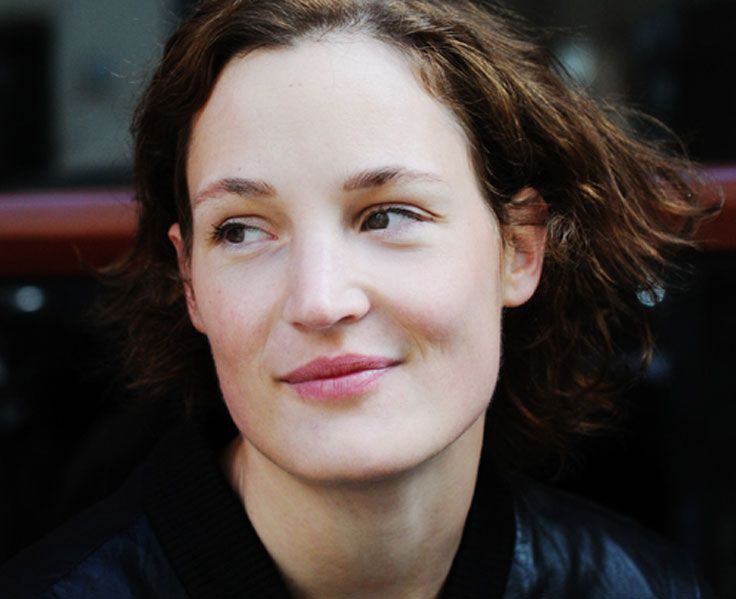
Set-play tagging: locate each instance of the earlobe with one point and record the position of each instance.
(524, 240)
(183, 261)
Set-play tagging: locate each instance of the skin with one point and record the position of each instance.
(363, 495)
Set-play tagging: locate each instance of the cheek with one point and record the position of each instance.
(451, 310)
(236, 325)
(462, 332)
(451, 300)
(235, 316)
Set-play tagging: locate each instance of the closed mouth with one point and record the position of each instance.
(349, 375)
(340, 366)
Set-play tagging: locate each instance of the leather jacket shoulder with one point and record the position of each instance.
(568, 547)
(109, 550)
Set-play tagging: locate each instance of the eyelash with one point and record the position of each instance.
(219, 232)
(392, 209)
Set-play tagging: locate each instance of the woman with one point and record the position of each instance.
(351, 213)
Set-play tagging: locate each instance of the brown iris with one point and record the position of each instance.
(377, 220)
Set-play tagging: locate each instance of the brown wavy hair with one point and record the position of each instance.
(618, 208)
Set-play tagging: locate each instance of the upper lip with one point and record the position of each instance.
(326, 368)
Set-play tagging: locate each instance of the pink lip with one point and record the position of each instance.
(342, 376)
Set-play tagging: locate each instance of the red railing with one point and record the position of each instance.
(719, 234)
(64, 233)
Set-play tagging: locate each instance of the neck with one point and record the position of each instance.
(394, 537)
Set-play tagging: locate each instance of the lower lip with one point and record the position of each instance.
(350, 385)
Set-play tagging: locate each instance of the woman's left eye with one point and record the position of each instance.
(388, 216)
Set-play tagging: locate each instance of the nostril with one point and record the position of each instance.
(318, 313)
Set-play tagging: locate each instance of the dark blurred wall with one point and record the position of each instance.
(26, 140)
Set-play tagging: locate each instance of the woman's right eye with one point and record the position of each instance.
(237, 233)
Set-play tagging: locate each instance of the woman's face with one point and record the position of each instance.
(344, 265)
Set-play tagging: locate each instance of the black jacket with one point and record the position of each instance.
(176, 529)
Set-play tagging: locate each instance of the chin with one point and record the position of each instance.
(373, 460)
(358, 473)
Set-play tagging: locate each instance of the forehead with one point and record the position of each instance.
(347, 97)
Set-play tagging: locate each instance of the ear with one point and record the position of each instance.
(183, 261)
(524, 243)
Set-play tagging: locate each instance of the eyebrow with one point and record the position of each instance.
(237, 186)
(387, 175)
(366, 179)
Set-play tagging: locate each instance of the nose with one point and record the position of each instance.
(323, 288)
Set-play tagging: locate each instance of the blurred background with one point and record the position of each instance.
(69, 76)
